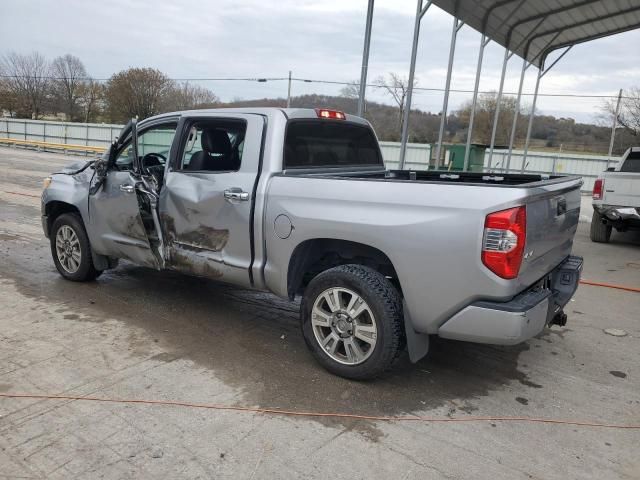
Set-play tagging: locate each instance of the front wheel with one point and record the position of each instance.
(352, 321)
(71, 250)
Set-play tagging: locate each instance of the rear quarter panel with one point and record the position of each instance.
(431, 232)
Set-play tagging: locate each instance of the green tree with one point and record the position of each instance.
(141, 92)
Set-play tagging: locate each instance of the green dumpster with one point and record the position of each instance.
(454, 157)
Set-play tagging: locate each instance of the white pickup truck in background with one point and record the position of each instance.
(616, 198)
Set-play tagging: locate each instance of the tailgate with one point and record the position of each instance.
(622, 189)
(553, 213)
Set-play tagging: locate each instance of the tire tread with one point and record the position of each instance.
(599, 232)
(86, 272)
(377, 286)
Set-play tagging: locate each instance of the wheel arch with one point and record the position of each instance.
(313, 256)
(54, 208)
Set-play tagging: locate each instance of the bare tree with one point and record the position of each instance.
(397, 87)
(351, 90)
(484, 117)
(90, 99)
(27, 78)
(69, 76)
(8, 99)
(629, 117)
(187, 96)
(141, 92)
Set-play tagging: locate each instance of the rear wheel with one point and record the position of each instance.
(71, 250)
(600, 232)
(352, 321)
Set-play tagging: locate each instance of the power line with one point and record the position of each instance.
(323, 82)
(212, 79)
(434, 89)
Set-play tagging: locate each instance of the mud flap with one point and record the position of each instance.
(417, 343)
(102, 262)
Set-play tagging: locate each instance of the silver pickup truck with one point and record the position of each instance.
(616, 198)
(298, 202)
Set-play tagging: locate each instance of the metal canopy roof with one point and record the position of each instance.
(534, 28)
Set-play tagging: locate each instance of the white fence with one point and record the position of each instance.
(418, 155)
(587, 166)
(88, 134)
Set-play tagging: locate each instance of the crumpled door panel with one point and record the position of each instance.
(115, 223)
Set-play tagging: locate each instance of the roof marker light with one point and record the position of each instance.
(331, 114)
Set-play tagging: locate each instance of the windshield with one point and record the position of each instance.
(323, 143)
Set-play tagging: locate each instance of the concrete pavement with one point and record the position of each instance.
(138, 333)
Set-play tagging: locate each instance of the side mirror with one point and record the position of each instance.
(611, 169)
(101, 167)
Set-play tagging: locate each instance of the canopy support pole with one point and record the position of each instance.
(533, 112)
(541, 73)
(365, 59)
(484, 40)
(420, 11)
(516, 111)
(507, 56)
(613, 128)
(457, 25)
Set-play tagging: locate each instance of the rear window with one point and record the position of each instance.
(632, 163)
(323, 143)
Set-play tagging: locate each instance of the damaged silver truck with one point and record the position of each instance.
(298, 202)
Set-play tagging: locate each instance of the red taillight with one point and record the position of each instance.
(598, 186)
(505, 233)
(334, 114)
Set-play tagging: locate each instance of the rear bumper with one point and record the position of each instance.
(618, 214)
(525, 316)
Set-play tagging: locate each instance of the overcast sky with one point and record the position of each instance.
(315, 39)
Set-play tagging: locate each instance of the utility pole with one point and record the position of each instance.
(613, 128)
(289, 91)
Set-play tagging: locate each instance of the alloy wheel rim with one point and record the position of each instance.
(344, 326)
(68, 249)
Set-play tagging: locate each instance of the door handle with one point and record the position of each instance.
(236, 195)
(127, 188)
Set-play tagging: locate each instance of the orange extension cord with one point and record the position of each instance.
(23, 194)
(610, 285)
(274, 411)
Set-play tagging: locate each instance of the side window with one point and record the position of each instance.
(124, 160)
(156, 141)
(154, 145)
(214, 146)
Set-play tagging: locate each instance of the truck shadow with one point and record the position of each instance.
(630, 237)
(251, 341)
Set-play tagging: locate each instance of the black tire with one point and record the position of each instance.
(600, 232)
(86, 271)
(384, 302)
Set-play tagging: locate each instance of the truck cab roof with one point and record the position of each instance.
(288, 113)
